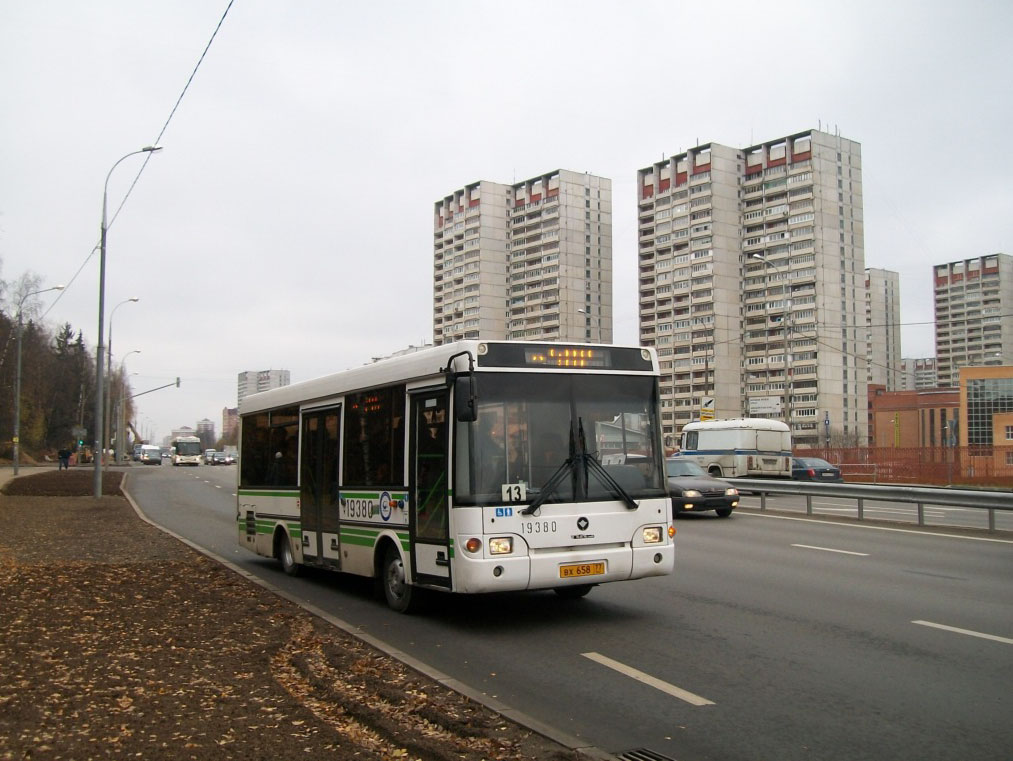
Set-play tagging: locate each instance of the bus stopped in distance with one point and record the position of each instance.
(473, 467)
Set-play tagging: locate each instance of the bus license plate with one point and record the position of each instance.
(577, 570)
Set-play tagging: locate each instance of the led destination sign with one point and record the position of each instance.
(565, 356)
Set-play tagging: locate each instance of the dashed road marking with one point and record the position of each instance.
(968, 632)
(647, 679)
(830, 549)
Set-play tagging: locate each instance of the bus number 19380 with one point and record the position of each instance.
(538, 527)
(358, 508)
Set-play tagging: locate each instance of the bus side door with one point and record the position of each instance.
(428, 498)
(318, 487)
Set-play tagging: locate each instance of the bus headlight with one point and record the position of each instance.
(501, 545)
(652, 534)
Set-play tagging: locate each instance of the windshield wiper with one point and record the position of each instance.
(591, 464)
(554, 480)
(550, 486)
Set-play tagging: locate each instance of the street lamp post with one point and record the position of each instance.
(99, 364)
(17, 377)
(121, 441)
(109, 372)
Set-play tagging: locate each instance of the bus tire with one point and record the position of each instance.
(400, 595)
(573, 593)
(284, 555)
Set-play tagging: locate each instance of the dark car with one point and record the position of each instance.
(693, 490)
(219, 458)
(814, 469)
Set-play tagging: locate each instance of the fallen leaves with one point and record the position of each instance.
(141, 648)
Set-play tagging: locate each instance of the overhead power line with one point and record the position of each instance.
(147, 158)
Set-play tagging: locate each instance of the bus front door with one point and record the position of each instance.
(318, 487)
(429, 519)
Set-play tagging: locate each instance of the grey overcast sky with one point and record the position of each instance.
(288, 221)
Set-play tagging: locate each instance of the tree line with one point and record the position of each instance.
(57, 379)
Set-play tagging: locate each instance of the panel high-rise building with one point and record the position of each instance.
(974, 316)
(255, 381)
(527, 261)
(752, 283)
(918, 373)
(882, 320)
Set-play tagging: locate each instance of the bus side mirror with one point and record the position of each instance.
(466, 398)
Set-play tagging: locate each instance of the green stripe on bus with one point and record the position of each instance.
(257, 493)
(366, 537)
(268, 526)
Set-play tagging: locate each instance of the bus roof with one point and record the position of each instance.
(754, 423)
(428, 362)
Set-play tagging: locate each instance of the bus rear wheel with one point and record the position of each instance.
(400, 595)
(283, 552)
(573, 593)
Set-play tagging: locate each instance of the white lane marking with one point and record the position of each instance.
(968, 632)
(828, 549)
(647, 679)
(747, 513)
(217, 486)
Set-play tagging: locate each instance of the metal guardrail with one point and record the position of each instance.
(917, 495)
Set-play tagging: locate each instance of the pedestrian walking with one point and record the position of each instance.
(64, 457)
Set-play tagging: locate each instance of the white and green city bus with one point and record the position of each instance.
(479, 466)
(186, 450)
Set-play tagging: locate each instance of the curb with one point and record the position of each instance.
(526, 721)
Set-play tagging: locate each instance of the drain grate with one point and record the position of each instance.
(643, 754)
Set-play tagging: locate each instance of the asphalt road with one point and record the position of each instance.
(776, 638)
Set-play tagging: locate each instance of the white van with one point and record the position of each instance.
(739, 448)
(151, 454)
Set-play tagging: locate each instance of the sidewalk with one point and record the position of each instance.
(118, 641)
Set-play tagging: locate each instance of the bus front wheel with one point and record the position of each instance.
(401, 596)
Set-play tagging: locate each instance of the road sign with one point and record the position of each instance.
(707, 409)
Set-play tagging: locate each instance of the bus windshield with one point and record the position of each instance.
(188, 447)
(544, 429)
